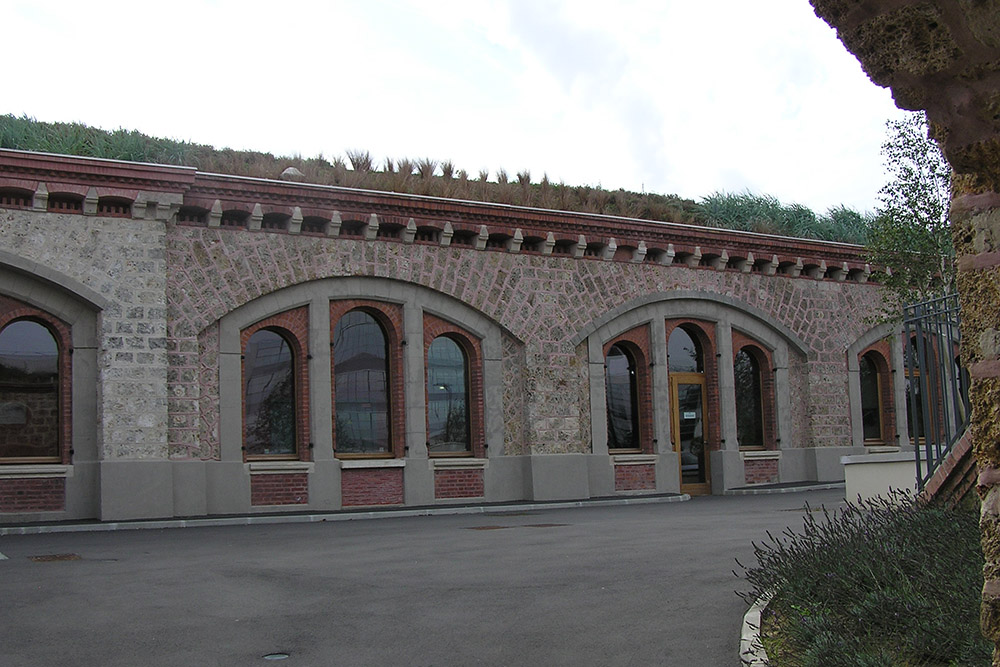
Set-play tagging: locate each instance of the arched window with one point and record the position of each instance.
(684, 352)
(447, 397)
(622, 399)
(269, 396)
(871, 398)
(749, 401)
(361, 385)
(30, 410)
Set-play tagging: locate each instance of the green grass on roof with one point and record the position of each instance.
(357, 169)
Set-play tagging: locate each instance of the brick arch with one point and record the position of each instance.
(765, 367)
(704, 333)
(471, 346)
(886, 341)
(293, 326)
(13, 310)
(389, 317)
(636, 342)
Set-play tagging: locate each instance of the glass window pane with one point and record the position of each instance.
(269, 395)
(361, 385)
(29, 391)
(749, 411)
(691, 433)
(447, 397)
(871, 408)
(684, 353)
(623, 416)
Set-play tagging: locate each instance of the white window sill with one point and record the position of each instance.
(458, 463)
(633, 459)
(762, 454)
(278, 467)
(29, 471)
(346, 464)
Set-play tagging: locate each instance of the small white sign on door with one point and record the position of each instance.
(690, 415)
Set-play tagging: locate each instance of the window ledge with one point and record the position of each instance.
(633, 459)
(761, 454)
(371, 463)
(38, 470)
(881, 449)
(278, 467)
(459, 463)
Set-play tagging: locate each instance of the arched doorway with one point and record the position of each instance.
(688, 427)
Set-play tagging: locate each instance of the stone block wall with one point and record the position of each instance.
(173, 279)
(123, 260)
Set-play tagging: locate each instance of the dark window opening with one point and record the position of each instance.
(269, 396)
(622, 399)
(361, 385)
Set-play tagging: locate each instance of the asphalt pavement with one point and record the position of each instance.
(622, 585)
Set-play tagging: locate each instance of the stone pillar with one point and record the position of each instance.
(943, 57)
(976, 227)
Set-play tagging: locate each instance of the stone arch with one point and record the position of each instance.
(412, 302)
(892, 333)
(728, 316)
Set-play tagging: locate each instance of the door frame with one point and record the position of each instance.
(696, 488)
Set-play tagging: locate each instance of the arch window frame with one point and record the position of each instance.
(389, 318)
(635, 342)
(471, 347)
(764, 356)
(635, 446)
(12, 311)
(293, 327)
(755, 391)
(699, 332)
(880, 366)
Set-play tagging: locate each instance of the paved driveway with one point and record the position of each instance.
(624, 585)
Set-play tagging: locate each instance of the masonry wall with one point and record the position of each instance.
(541, 301)
(166, 286)
(123, 260)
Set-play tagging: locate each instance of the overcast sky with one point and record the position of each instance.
(668, 96)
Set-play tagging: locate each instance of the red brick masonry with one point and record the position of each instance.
(40, 494)
(760, 471)
(459, 484)
(635, 477)
(279, 489)
(372, 486)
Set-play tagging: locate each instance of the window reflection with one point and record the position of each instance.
(749, 409)
(623, 417)
(29, 391)
(871, 404)
(269, 395)
(447, 397)
(684, 353)
(361, 375)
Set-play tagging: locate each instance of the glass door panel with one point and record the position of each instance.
(688, 430)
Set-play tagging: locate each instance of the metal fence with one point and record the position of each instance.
(937, 386)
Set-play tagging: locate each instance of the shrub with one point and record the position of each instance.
(886, 581)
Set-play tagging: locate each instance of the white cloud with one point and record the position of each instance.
(676, 97)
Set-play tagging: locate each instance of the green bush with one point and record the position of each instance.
(881, 582)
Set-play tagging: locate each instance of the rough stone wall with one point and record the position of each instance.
(542, 301)
(944, 57)
(513, 397)
(123, 260)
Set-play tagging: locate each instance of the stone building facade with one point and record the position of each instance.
(234, 345)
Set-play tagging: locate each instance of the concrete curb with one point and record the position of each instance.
(752, 652)
(784, 489)
(249, 520)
